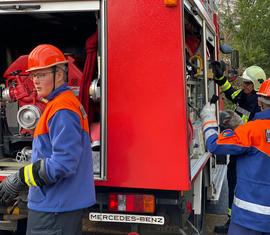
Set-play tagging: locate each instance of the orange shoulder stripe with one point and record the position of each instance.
(66, 100)
(252, 134)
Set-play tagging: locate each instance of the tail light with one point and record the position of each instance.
(142, 203)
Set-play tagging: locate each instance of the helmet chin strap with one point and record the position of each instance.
(54, 77)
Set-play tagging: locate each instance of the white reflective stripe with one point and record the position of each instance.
(242, 111)
(249, 206)
(209, 132)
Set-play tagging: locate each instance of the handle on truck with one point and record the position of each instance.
(19, 7)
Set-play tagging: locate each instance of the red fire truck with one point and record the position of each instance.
(142, 70)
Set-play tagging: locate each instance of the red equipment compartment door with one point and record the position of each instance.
(147, 126)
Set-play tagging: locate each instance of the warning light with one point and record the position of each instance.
(143, 203)
(171, 3)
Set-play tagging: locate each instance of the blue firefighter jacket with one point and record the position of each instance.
(250, 144)
(61, 138)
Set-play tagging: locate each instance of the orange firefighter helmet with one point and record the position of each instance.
(45, 56)
(264, 89)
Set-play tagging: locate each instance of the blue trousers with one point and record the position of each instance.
(236, 229)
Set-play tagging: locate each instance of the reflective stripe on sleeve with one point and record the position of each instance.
(236, 93)
(221, 78)
(256, 208)
(245, 118)
(226, 86)
(28, 175)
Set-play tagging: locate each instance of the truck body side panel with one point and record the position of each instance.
(147, 134)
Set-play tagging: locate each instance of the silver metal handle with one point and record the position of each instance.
(19, 7)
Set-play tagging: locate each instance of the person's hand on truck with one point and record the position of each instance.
(218, 69)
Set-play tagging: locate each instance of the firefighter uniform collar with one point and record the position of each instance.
(57, 91)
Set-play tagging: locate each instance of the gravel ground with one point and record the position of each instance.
(211, 220)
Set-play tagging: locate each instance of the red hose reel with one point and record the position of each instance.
(19, 87)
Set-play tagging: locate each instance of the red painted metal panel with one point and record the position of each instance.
(147, 134)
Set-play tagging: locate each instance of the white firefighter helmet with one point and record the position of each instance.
(256, 75)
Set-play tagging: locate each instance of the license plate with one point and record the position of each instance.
(126, 218)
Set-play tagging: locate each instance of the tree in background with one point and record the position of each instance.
(245, 25)
(227, 19)
(253, 33)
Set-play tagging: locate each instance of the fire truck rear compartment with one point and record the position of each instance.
(22, 32)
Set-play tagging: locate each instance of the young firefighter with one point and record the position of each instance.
(246, 107)
(60, 177)
(250, 145)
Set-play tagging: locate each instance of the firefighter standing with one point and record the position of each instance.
(246, 107)
(250, 145)
(60, 177)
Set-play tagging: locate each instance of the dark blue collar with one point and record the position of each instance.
(58, 91)
(262, 115)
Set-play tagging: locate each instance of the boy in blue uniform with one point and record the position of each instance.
(250, 144)
(60, 177)
(246, 107)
